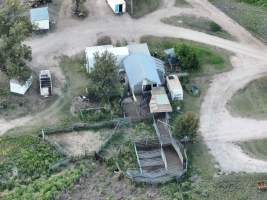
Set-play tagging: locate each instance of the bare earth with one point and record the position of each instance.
(220, 130)
(79, 143)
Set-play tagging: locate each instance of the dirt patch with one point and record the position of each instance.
(80, 143)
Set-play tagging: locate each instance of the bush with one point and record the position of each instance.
(186, 125)
(104, 40)
(187, 57)
(215, 27)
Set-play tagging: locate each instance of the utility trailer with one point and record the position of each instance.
(117, 6)
(45, 83)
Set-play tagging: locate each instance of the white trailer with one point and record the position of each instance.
(118, 6)
(20, 88)
(174, 87)
(45, 83)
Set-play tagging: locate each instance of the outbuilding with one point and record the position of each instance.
(118, 6)
(174, 87)
(119, 52)
(20, 88)
(142, 73)
(40, 18)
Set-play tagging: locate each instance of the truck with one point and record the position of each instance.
(45, 80)
(117, 6)
(174, 86)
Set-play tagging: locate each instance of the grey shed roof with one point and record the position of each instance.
(139, 49)
(141, 67)
(39, 14)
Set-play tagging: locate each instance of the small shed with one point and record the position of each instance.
(45, 80)
(40, 18)
(118, 6)
(20, 88)
(142, 73)
(159, 102)
(119, 52)
(174, 87)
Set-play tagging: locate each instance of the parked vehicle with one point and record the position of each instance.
(174, 87)
(45, 83)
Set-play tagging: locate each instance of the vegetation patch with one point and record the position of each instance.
(198, 23)
(24, 159)
(251, 16)
(142, 7)
(250, 101)
(255, 148)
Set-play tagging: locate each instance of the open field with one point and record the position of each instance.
(182, 3)
(253, 18)
(197, 23)
(251, 101)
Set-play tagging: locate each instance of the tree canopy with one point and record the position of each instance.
(104, 78)
(15, 27)
(187, 57)
(186, 125)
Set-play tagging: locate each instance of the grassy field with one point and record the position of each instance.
(250, 101)
(197, 23)
(252, 17)
(142, 7)
(256, 148)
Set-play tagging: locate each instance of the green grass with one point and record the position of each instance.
(255, 148)
(197, 23)
(252, 17)
(142, 7)
(250, 101)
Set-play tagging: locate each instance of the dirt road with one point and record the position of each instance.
(219, 129)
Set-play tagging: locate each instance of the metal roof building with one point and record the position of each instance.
(141, 70)
(40, 18)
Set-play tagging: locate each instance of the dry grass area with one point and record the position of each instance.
(251, 101)
(80, 143)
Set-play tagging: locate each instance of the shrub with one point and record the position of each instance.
(187, 57)
(215, 27)
(104, 40)
(186, 125)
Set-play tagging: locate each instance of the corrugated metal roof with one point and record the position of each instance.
(159, 101)
(38, 14)
(141, 67)
(139, 48)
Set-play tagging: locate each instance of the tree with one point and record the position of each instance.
(186, 125)
(15, 27)
(104, 79)
(187, 57)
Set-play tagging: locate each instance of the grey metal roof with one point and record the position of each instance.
(141, 67)
(139, 49)
(39, 14)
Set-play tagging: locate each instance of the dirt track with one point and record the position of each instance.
(219, 129)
